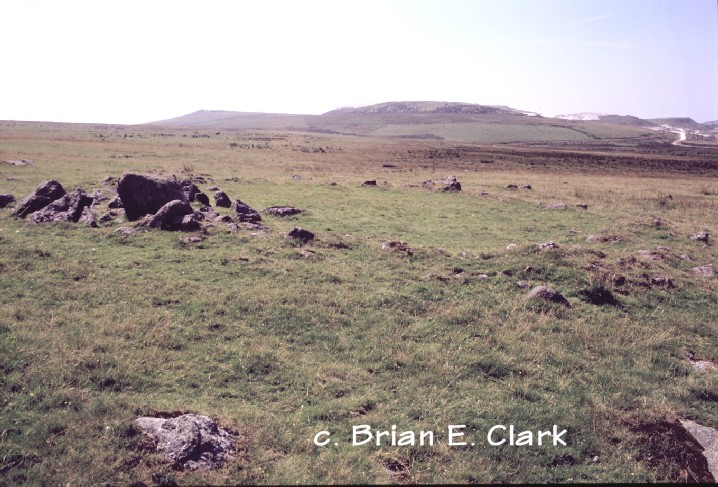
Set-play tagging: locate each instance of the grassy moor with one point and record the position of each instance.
(413, 306)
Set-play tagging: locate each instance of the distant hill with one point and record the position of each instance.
(606, 118)
(680, 122)
(426, 107)
(713, 123)
(451, 121)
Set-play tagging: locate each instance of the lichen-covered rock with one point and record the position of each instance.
(47, 192)
(68, 208)
(88, 218)
(142, 194)
(282, 211)
(192, 441)
(245, 213)
(170, 216)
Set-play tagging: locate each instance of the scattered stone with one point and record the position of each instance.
(193, 441)
(115, 203)
(522, 284)
(202, 198)
(604, 238)
(68, 208)
(142, 194)
(20, 162)
(550, 245)
(511, 246)
(701, 236)
(397, 246)
(245, 213)
(427, 183)
(307, 254)
(297, 177)
(97, 197)
(333, 183)
(507, 272)
(43, 195)
(582, 206)
(6, 200)
(484, 193)
(233, 227)
(223, 219)
(191, 223)
(370, 182)
(213, 188)
(10, 178)
(109, 180)
(253, 226)
(526, 186)
(451, 184)
(171, 216)
(110, 215)
(88, 218)
(705, 270)
(700, 365)
(662, 281)
(282, 211)
(511, 186)
(192, 238)
(190, 190)
(708, 439)
(483, 276)
(686, 257)
(222, 200)
(546, 293)
(301, 234)
(556, 206)
(529, 268)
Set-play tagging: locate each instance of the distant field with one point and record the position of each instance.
(279, 341)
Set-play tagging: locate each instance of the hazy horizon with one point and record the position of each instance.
(138, 62)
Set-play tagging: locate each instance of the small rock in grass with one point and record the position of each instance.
(301, 234)
(705, 270)
(550, 245)
(546, 293)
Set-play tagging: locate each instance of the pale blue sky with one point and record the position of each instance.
(135, 61)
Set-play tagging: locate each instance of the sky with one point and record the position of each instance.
(129, 61)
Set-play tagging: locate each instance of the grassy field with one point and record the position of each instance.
(98, 328)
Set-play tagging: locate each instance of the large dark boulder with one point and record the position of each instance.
(245, 213)
(142, 194)
(44, 194)
(68, 208)
(6, 199)
(170, 216)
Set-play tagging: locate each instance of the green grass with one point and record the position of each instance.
(98, 328)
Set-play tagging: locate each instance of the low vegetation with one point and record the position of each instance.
(279, 340)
